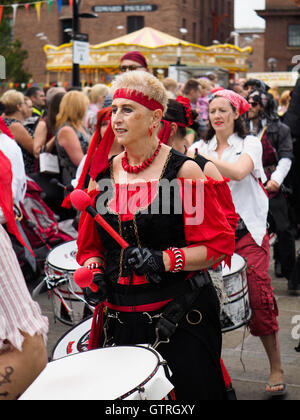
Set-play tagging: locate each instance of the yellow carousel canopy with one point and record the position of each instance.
(147, 38)
(160, 49)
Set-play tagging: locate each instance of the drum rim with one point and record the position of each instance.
(135, 389)
(64, 336)
(56, 267)
(236, 327)
(239, 270)
(155, 370)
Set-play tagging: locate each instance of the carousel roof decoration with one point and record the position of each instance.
(160, 49)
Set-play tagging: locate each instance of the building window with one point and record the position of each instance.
(294, 36)
(135, 23)
(66, 31)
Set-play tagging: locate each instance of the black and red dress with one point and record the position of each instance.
(148, 219)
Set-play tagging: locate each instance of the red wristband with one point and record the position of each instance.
(172, 259)
(177, 258)
(96, 268)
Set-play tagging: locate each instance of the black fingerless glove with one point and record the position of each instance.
(94, 298)
(145, 261)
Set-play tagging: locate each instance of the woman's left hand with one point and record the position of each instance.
(145, 261)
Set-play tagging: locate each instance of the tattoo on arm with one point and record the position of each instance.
(4, 394)
(5, 378)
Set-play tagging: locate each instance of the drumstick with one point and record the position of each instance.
(83, 277)
(82, 202)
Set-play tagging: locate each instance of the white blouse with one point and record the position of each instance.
(249, 198)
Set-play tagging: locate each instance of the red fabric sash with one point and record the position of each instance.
(165, 132)
(6, 199)
(5, 129)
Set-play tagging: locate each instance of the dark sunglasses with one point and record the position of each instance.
(130, 68)
(253, 104)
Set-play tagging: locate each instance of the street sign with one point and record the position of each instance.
(127, 8)
(81, 52)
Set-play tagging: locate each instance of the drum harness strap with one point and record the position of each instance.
(173, 312)
(179, 307)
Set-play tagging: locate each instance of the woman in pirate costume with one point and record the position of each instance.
(157, 290)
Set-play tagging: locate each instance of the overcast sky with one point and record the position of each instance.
(245, 16)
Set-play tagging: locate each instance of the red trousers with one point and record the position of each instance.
(262, 299)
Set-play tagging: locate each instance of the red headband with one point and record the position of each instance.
(240, 103)
(97, 161)
(138, 97)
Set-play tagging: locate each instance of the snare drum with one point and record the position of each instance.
(74, 341)
(111, 373)
(69, 305)
(236, 311)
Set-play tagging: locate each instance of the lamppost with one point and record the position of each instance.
(75, 27)
(183, 31)
(236, 36)
(272, 63)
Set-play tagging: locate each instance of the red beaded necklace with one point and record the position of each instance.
(137, 168)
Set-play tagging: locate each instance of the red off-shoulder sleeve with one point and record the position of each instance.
(225, 199)
(88, 240)
(205, 221)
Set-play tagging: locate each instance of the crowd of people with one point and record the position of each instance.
(239, 140)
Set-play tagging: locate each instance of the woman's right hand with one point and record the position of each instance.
(94, 298)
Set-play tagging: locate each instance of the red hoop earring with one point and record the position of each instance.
(151, 132)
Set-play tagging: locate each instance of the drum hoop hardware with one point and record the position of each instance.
(140, 388)
(197, 312)
(53, 282)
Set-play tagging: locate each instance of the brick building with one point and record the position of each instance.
(204, 20)
(282, 35)
(256, 38)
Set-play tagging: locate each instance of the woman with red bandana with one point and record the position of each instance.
(239, 157)
(157, 290)
(133, 60)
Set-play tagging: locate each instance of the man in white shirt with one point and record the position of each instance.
(277, 160)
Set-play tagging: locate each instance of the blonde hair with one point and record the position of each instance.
(96, 91)
(72, 109)
(142, 82)
(11, 99)
(205, 84)
(285, 98)
(169, 83)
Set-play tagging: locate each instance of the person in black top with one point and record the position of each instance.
(151, 279)
(277, 143)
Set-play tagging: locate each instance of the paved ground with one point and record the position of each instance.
(237, 346)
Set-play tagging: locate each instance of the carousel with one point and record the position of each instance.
(160, 49)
